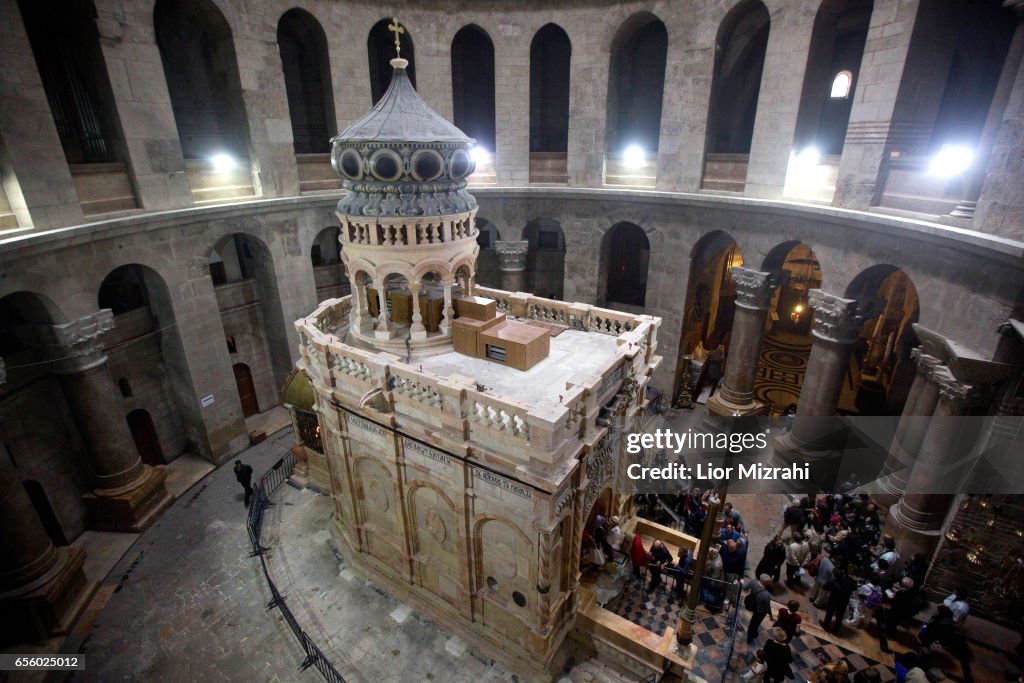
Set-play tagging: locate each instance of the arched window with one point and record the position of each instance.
(550, 53)
(841, 85)
(307, 80)
(380, 47)
(67, 52)
(473, 85)
(637, 77)
(201, 68)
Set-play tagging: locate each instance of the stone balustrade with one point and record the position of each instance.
(409, 231)
(428, 406)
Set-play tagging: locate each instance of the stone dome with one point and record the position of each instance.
(403, 158)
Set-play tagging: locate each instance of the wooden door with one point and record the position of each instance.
(246, 389)
(144, 434)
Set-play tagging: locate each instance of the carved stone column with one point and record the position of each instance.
(512, 261)
(384, 329)
(449, 313)
(416, 330)
(754, 291)
(916, 520)
(906, 442)
(42, 588)
(128, 495)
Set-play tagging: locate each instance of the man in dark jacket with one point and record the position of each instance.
(243, 473)
(839, 590)
(759, 602)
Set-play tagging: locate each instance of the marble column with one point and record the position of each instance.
(128, 495)
(916, 520)
(42, 588)
(449, 312)
(754, 290)
(1000, 98)
(837, 323)
(384, 329)
(512, 261)
(906, 442)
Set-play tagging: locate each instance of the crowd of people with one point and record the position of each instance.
(834, 552)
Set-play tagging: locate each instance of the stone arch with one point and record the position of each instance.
(504, 564)
(884, 369)
(250, 277)
(380, 47)
(473, 85)
(625, 258)
(438, 265)
(545, 257)
(302, 44)
(448, 537)
(636, 81)
(550, 77)
(200, 64)
(67, 51)
(741, 44)
(708, 311)
(325, 253)
(144, 343)
(377, 503)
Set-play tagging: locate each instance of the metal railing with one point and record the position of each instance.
(258, 504)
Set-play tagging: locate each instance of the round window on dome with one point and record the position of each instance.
(427, 164)
(460, 165)
(385, 164)
(351, 165)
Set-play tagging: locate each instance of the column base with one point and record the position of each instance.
(717, 405)
(50, 606)
(911, 540)
(134, 510)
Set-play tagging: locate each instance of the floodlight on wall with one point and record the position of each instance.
(951, 160)
(479, 155)
(841, 85)
(807, 159)
(634, 156)
(223, 162)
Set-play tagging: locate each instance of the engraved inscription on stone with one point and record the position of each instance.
(372, 432)
(503, 483)
(418, 448)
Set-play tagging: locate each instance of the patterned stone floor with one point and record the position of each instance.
(781, 369)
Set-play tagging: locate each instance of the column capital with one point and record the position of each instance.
(954, 391)
(835, 319)
(79, 343)
(512, 255)
(925, 362)
(754, 289)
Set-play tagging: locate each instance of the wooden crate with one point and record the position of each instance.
(514, 344)
(476, 307)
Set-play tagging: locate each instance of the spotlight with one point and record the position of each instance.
(951, 160)
(634, 156)
(479, 155)
(808, 159)
(223, 162)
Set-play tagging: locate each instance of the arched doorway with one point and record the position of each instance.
(246, 389)
(380, 48)
(488, 269)
(708, 313)
(883, 368)
(635, 88)
(626, 253)
(545, 259)
(739, 60)
(45, 512)
(550, 55)
(787, 343)
(147, 443)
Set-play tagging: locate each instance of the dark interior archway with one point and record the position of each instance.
(626, 253)
(739, 60)
(637, 79)
(473, 85)
(545, 257)
(246, 389)
(380, 47)
(550, 55)
(66, 47)
(307, 80)
(201, 69)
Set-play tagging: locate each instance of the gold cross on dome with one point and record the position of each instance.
(398, 30)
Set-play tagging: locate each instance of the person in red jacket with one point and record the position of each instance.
(637, 555)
